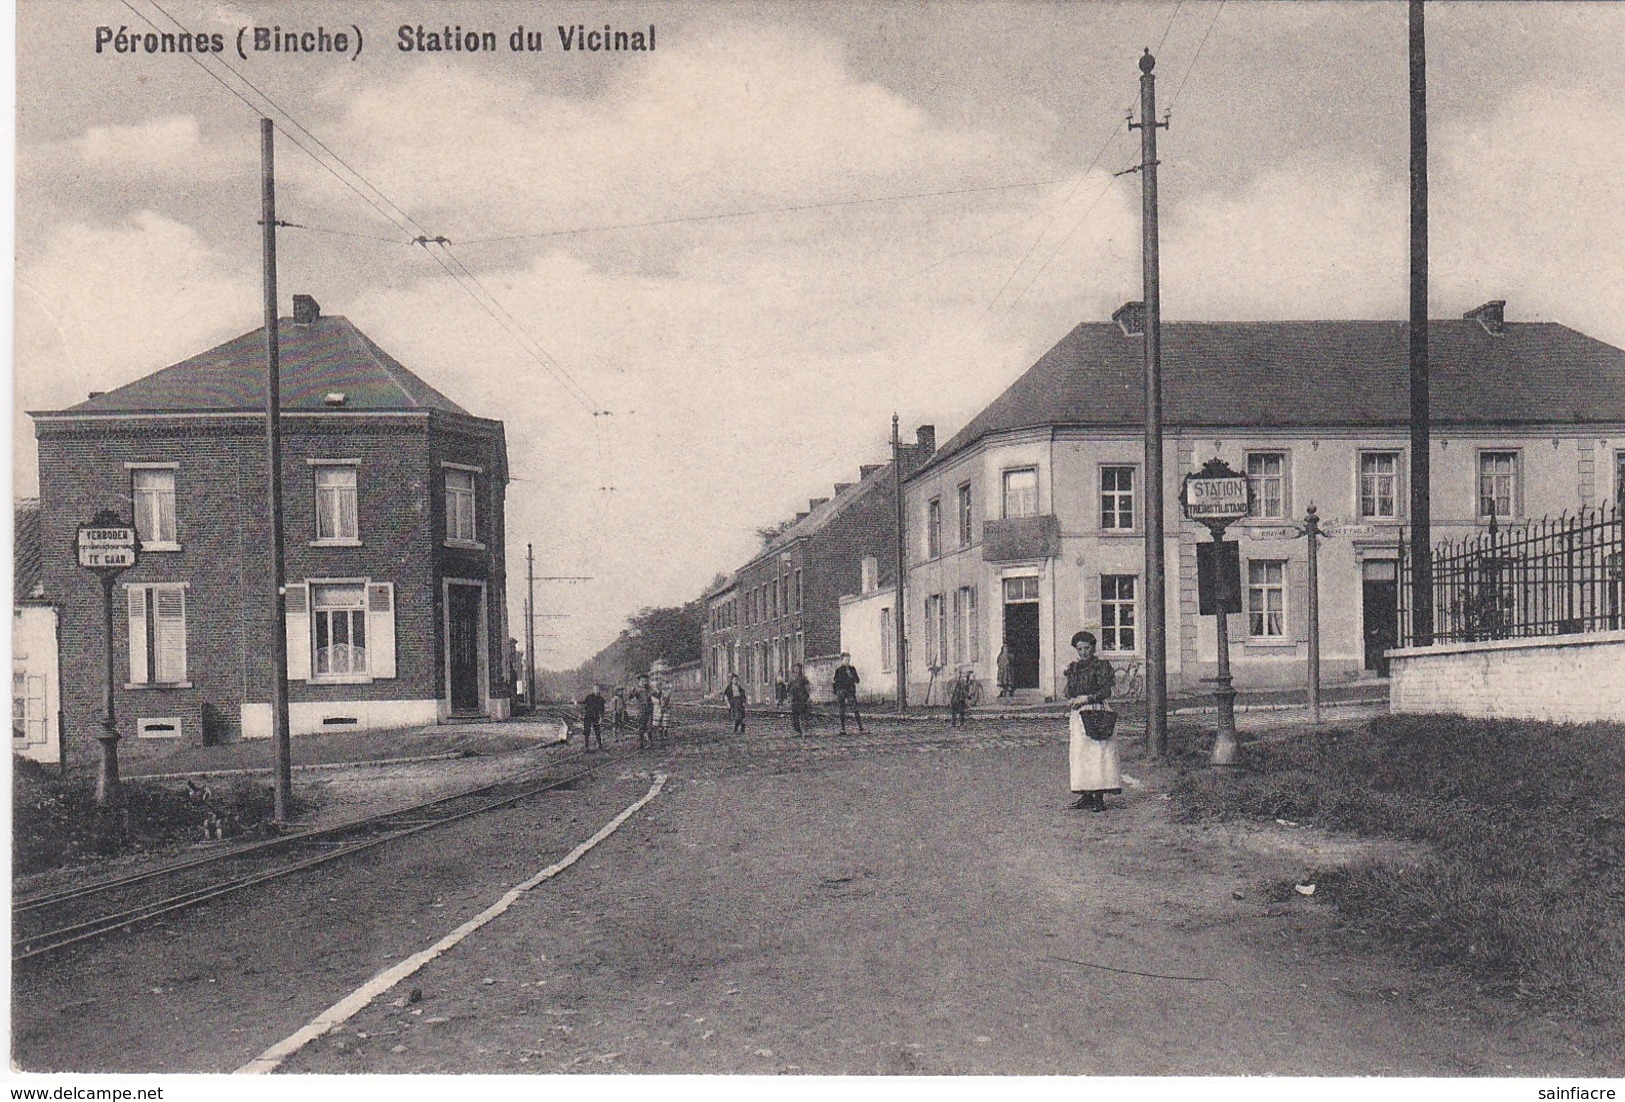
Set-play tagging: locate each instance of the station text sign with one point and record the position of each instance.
(1215, 498)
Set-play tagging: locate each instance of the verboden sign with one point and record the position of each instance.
(106, 546)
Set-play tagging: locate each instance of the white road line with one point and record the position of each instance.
(352, 1004)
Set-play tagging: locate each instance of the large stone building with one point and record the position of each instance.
(1027, 525)
(783, 606)
(393, 520)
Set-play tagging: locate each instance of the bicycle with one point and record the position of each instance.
(1129, 682)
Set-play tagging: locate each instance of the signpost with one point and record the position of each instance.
(1218, 496)
(108, 547)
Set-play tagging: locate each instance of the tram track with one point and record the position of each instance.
(47, 923)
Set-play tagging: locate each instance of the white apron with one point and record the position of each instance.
(1094, 764)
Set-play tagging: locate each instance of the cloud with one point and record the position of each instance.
(1526, 205)
(725, 120)
(103, 305)
(168, 147)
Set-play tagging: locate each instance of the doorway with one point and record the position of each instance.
(465, 608)
(1021, 630)
(1379, 605)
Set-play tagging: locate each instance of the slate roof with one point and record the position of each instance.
(824, 514)
(317, 358)
(27, 561)
(1313, 373)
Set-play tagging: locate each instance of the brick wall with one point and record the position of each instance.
(224, 537)
(1556, 679)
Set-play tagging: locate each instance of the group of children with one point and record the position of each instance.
(647, 707)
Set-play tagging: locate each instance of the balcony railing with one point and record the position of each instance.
(1020, 539)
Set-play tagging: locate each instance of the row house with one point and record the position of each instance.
(35, 671)
(393, 522)
(1028, 524)
(782, 608)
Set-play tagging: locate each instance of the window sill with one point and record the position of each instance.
(143, 685)
(159, 545)
(336, 543)
(1393, 522)
(167, 737)
(1270, 644)
(1119, 533)
(465, 545)
(340, 679)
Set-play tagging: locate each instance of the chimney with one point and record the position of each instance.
(1130, 318)
(867, 469)
(97, 393)
(843, 487)
(815, 502)
(800, 517)
(305, 310)
(1491, 315)
(925, 441)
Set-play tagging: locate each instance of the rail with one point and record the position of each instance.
(46, 923)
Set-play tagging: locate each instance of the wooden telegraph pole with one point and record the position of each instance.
(273, 486)
(1156, 636)
(902, 545)
(1421, 436)
(530, 626)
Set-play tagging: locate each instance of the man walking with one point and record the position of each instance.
(592, 717)
(846, 691)
(643, 703)
(800, 690)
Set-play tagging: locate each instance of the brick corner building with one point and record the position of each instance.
(393, 499)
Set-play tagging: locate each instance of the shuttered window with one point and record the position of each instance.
(341, 631)
(157, 622)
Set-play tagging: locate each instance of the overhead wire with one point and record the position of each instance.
(794, 208)
(1132, 168)
(556, 369)
(1055, 214)
(1181, 86)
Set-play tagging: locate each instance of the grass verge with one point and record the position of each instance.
(55, 821)
(1524, 885)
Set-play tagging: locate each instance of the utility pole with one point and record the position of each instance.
(1156, 638)
(283, 771)
(1313, 532)
(902, 544)
(530, 626)
(1421, 434)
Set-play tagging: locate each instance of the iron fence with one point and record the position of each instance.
(1555, 576)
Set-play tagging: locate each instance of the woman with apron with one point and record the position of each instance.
(1095, 769)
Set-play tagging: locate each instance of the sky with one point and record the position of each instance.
(695, 283)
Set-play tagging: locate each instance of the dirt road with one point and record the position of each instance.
(905, 909)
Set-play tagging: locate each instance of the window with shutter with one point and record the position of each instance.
(137, 596)
(297, 612)
(381, 624)
(157, 619)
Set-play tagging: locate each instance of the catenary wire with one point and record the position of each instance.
(1181, 87)
(560, 375)
(788, 209)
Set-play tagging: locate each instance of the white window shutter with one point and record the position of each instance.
(381, 628)
(137, 597)
(298, 618)
(169, 633)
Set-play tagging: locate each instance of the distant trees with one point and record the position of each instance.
(671, 633)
